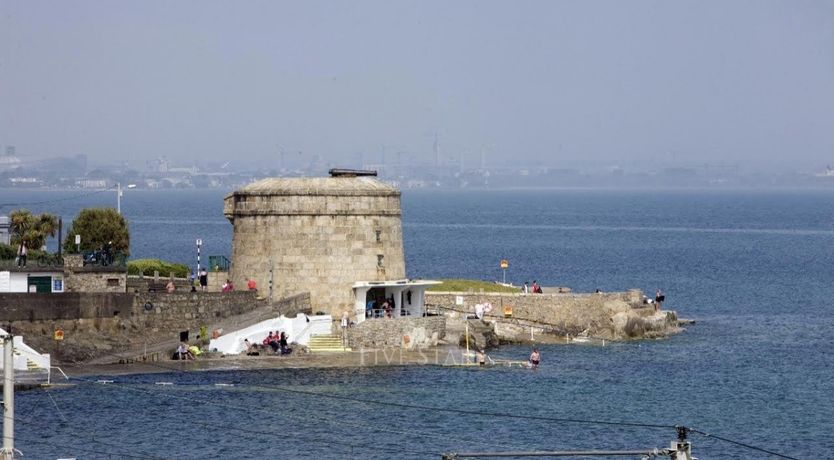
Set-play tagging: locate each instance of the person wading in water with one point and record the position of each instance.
(535, 358)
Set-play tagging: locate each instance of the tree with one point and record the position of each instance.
(97, 227)
(31, 229)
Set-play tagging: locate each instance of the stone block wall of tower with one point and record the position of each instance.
(316, 239)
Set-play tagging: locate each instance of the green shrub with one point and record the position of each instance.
(148, 266)
(10, 252)
(7, 252)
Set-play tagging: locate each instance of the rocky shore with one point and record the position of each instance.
(556, 317)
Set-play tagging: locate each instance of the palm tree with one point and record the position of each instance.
(30, 229)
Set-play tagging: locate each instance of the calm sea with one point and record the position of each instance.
(754, 268)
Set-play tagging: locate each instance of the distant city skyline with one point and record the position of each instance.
(591, 85)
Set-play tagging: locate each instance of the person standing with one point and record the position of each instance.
(22, 251)
(203, 280)
(535, 358)
(526, 288)
(479, 311)
(658, 299)
(283, 342)
(345, 319)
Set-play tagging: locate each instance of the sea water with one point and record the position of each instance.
(752, 267)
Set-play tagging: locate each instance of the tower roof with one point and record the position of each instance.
(333, 186)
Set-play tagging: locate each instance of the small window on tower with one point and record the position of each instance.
(378, 236)
(380, 260)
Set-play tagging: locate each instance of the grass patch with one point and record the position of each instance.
(148, 266)
(458, 285)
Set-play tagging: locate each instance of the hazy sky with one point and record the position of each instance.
(559, 83)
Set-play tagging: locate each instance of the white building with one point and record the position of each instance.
(35, 281)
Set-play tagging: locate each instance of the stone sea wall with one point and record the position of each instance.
(616, 315)
(408, 333)
(96, 324)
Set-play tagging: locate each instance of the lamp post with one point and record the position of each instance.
(119, 195)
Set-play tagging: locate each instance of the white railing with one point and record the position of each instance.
(23, 354)
(317, 325)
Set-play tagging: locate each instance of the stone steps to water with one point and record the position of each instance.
(326, 344)
(31, 365)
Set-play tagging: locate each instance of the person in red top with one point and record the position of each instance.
(250, 284)
(536, 288)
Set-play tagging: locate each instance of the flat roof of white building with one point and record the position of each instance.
(396, 283)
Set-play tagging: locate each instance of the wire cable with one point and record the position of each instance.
(444, 409)
(471, 412)
(742, 444)
(284, 415)
(494, 414)
(140, 455)
(90, 437)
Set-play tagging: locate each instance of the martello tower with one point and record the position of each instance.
(320, 235)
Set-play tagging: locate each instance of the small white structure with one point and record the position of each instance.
(409, 298)
(43, 281)
(28, 363)
(298, 330)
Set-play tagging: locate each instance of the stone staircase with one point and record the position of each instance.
(326, 344)
(481, 335)
(31, 365)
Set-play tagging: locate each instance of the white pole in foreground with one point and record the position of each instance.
(119, 197)
(8, 397)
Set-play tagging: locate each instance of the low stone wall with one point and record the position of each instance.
(17, 307)
(146, 283)
(180, 309)
(408, 333)
(97, 280)
(96, 324)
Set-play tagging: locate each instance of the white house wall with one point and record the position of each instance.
(19, 281)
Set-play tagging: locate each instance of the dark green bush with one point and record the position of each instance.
(7, 252)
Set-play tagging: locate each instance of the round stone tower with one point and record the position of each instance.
(320, 235)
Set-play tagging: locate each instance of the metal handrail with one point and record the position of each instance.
(49, 374)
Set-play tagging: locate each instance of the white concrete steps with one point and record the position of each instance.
(326, 344)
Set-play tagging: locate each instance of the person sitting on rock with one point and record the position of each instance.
(272, 341)
(250, 348)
